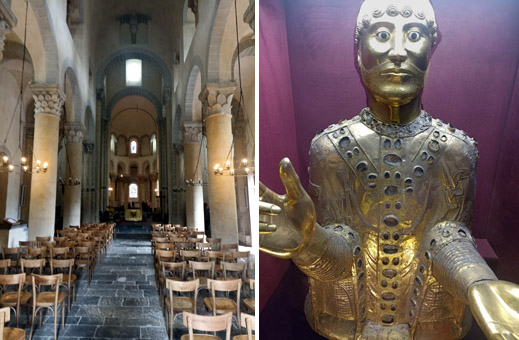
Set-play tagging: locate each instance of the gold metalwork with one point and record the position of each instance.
(384, 233)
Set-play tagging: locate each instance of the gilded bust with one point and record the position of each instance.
(384, 232)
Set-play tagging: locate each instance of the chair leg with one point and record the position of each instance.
(63, 314)
(55, 322)
(41, 316)
(32, 323)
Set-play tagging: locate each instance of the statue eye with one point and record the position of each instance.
(414, 36)
(383, 35)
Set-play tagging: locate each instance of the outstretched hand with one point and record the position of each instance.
(287, 222)
(495, 306)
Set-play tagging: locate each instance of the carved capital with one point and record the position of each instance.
(48, 99)
(4, 29)
(217, 97)
(88, 148)
(74, 132)
(192, 131)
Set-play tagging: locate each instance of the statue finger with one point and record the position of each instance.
(291, 180)
(265, 228)
(267, 195)
(266, 208)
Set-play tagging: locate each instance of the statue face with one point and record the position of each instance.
(393, 55)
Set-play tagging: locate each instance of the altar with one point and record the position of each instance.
(133, 214)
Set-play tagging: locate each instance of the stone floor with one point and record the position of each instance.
(122, 301)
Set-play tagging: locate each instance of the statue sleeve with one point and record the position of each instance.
(455, 261)
(330, 254)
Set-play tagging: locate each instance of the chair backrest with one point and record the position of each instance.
(59, 252)
(183, 287)
(42, 238)
(168, 269)
(163, 254)
(5, 316)
(225, 286)
(164, 246)
(32, 265)
(239, 268)
(207, 267)
(28, 244)
(62, 266)
(34, 253)
(5, 264)
(229, 246)
(13, 279)
(48, 244)
(249, 321)
(11, 253)
(216, 242)
(190, 254)
(208, 323)
(218, 256)
(83, 253)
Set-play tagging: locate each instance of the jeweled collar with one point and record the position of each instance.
(395, 130)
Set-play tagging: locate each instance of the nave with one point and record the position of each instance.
(122, 300)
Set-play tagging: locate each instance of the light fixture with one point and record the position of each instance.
(110, 189)
(242, 170)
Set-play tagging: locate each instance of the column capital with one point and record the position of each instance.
(48, 99)
(217, 97)
(74, 132)
(192, 131)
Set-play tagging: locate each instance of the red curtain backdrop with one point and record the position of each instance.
(308, 81)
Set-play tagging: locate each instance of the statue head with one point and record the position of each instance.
(394, 39)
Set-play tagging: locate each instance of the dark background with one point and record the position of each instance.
(308, 81)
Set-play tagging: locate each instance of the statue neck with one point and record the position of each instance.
(400, 114)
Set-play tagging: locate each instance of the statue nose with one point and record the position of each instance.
(398, 54)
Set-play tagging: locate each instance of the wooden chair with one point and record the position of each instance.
(207, 324)
(232, 271)
(9, 333)
(250, 303)
(203, 271)
(30, 267)
(170, 270)
(229, 246)
(249, 322)
(187, 255)
(14, 299)
(5, 265)
(41, 239)
(69, 279)
(34, 253)
(175, 303)
(218, 257)
(215, 242)
(51, 299)
(219, 305)
(14, 254)
(84, 260)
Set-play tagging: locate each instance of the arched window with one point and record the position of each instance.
(133, 147)
(134, 191)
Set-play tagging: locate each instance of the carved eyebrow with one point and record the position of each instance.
(379, 24)
(423, 28)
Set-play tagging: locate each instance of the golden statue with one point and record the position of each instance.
(384, 233)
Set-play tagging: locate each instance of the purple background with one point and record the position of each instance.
(308, 80)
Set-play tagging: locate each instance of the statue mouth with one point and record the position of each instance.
(396, 72)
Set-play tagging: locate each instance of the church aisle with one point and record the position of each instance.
(121, 302)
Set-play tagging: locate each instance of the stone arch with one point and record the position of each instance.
(247, 49)
(137, 53)
(218, 28)
(75, 112)
(42, 14)
(192, 102)
(133, 91)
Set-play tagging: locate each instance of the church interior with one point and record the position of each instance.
(127, 128)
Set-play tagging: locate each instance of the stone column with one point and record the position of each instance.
(48, 104)
(217, 99)
(87, 184)
(193, 171)
(72, 205)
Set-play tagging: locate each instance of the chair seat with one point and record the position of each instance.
(14, 333)
(242, 337)
(200, 337)
(10, 299)
(249, 303)
(180, 303)
(47, 298)
(221, 278)
(82, 262)
(223, 305)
